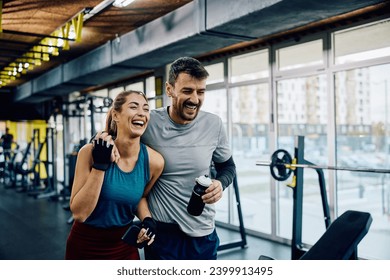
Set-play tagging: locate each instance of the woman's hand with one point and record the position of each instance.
(145, 236)
(103, 135)
(148, 231)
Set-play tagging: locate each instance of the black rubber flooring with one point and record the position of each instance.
(37, 229)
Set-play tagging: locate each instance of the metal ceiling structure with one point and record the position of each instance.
(118, 43)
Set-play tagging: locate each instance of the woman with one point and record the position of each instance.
(107, 195)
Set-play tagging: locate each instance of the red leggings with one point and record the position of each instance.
(90, 243)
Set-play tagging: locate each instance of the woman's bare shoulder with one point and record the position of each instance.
(155, 158)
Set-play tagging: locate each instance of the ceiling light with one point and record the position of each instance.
(60, 43)
(122, 3)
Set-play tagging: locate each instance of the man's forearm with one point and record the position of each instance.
(226, 171)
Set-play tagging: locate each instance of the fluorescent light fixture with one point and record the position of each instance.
(122, 3)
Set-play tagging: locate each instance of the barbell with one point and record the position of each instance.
(282, 165)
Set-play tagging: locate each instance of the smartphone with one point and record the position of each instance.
(131, 236)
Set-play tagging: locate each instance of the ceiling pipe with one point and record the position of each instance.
(96, 10)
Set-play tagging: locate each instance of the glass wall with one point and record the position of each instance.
(301, 55)
(241, 97)
(216, 103)
(250, 141)
(362, 105)
(250, 120)
(375, 45)
(362, 130)
(333, 92)
(303, 110)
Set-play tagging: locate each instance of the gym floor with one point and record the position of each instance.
(36, 229)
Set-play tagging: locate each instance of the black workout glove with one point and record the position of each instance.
(150, 225)
(131, 235)
(101, 154)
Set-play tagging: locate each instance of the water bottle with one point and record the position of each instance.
(196, 205)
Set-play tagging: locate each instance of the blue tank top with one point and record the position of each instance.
(120, 194)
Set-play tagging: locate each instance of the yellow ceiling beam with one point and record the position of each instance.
(65, 34)
(78, 26)
(48, 46)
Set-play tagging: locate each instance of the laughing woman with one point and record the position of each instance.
(106, 196)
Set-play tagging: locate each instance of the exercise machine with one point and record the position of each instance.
(51, 184)
(241, 242)
(26, 170)
(7, 167)
(341, 237)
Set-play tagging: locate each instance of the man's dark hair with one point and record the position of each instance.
(188, 65)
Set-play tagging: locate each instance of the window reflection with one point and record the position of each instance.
(136, 86)
(216, 73)
(303, 110)
(376, 43)
(216, 103)
(249, 66)
(362, 129)
(250, 140)
(302, 55)
(362, 104)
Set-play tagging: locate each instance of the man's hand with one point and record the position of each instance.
(213, 192)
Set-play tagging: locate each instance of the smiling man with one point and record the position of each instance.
(189, 140)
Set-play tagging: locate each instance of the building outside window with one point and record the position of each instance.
(333, 92)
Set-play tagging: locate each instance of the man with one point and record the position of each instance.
(189, 140)
(6, 141)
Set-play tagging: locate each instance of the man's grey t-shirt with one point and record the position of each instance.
(188, 151)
